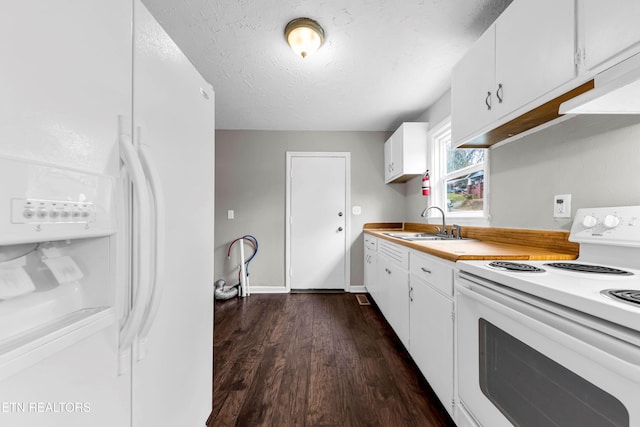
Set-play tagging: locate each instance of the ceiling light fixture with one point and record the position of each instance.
(304, 35)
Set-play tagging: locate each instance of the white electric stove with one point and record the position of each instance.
(554, 342)
(608, 264)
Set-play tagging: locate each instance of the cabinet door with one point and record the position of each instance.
(397, 153)
(393, 156)
(611, 30)
(382, 285)
(535, 46)
(472, 88)
(398, 281)
(370, 276)
(388, 159)
(431, 341)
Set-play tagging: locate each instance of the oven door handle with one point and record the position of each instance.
(630, 336)
(587, 342)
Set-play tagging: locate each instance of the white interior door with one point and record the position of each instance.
(318, 221)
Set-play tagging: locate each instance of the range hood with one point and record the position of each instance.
(616, 91)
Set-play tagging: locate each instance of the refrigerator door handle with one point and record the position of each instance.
(141, 232)
(158, 251)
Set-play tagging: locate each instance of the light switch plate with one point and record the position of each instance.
(562, 206)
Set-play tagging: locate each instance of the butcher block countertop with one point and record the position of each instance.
(489, 243)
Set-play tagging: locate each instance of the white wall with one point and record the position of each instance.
(250, 179)
(596, 159)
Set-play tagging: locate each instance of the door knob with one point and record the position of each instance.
(340, 214)
(340, 228)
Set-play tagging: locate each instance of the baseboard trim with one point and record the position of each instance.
(268, 290)
(354, 289)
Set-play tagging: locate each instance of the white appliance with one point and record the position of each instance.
(546, 343)
(106, 220)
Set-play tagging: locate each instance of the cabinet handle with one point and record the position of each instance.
(499, 93)
(487, 100)
(411, 293)
(425, 270)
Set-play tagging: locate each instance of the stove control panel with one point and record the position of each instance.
(614, 226)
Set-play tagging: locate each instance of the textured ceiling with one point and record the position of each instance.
(383, 61)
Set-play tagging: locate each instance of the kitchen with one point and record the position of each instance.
(593, 158)
(580, 156)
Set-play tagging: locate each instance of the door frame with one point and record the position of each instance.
(347, 208)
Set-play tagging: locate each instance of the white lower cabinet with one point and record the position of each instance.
(370, 264)
(414, 292)
(431, 324)
(393, 286)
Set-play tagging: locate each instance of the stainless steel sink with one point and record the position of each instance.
(412, 236)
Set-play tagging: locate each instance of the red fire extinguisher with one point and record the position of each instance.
(426, 185)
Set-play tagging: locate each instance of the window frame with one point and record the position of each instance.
(438, 137)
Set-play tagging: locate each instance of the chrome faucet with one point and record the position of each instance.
(444, 224)
(455, 228)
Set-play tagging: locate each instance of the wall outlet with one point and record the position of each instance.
(562, 206)
(231, 214)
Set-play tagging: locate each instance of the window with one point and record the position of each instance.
(458, 175)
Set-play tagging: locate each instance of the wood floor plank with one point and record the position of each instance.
(228, 410)
(314, 360)
(292, 397)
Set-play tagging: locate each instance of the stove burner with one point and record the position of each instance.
(585, 268)
(631, 296)
(515, 266)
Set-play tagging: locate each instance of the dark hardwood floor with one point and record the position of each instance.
(314, 360)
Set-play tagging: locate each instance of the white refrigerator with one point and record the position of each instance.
(106, 220)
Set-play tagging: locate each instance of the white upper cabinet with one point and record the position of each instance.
(610, 31)
(528, 52)
(535, 47)
(405, 152)
(472, 90)
(389, 172)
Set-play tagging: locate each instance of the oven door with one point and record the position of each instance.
(521, 365)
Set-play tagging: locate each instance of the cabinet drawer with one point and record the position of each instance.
(437, 274)
(396, 253)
